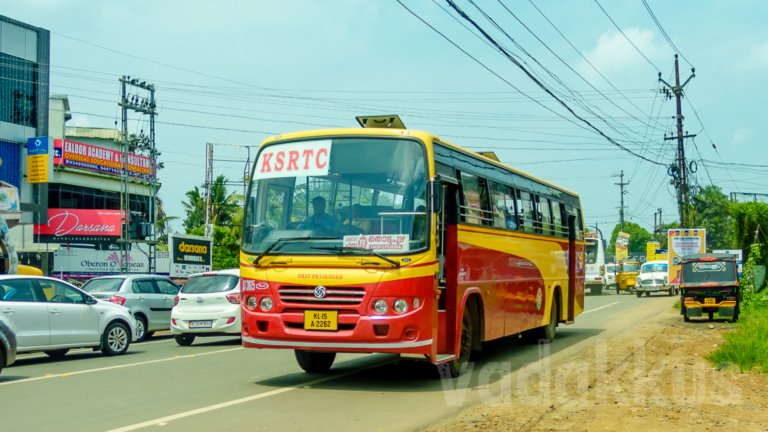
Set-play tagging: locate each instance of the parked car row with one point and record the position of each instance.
(39, 313)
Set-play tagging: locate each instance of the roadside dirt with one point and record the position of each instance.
(653, 377)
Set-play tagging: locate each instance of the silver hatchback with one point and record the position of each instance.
(150, 298)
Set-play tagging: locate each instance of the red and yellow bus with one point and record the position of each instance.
(388, 240)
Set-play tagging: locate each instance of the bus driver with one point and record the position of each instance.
(320, 218)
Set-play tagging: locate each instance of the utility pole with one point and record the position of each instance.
(208, 184)
(621, 185)
(679, 171)
(145, 104)
(657, 225)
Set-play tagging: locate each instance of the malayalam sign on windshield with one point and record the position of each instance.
(397, 243)
(305, 158)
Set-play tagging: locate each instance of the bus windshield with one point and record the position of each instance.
(337, 196)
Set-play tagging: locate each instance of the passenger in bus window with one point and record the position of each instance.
(357, 223)
(319, 218)
(509, 220)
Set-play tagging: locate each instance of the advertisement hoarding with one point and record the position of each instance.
(622, 246)
(100, 159)
(189, 254)
(87, 263)
(682, 242)
(80, 226)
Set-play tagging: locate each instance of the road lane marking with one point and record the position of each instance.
(68, 374)
(162, 421)
(598, 308)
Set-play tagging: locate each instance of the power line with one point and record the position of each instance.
(541, 85)
(664, 33)
(626, 37)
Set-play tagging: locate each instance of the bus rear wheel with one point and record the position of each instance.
(315, 361)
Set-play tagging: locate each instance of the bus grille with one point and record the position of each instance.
(345, 296)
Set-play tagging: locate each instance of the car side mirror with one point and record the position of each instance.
(90, 300)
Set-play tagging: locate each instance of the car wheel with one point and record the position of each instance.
(116, 339)
(2, 360)
(184, 339)
(647, 293)
(671, 291)
(141, 328)
(315, 361)
(57, 353)
(639, 294)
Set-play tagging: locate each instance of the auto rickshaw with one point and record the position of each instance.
(625, 278)
(709, 283)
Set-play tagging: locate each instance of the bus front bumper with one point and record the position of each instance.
(408, 333)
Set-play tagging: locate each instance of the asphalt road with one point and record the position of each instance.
(216, 385)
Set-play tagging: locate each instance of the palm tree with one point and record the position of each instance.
(195, 209)
(224, 205)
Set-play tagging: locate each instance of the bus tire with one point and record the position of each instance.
(545, 333)
(314, 361)
(598, 290)
(459, 365)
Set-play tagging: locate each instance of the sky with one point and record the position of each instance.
(235, 72)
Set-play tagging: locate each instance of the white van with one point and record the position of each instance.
(595, 263)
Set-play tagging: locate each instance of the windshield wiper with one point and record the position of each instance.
(280, 241)
(343, 249)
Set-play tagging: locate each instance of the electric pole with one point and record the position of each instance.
(679, 171)
(142, 101)
(621, 185)
(657, 225)
(208, 184)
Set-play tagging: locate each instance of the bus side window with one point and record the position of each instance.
(526, 211)
(557, 220)
(546, 216)
(475, 205)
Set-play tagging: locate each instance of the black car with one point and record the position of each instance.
(7, 346)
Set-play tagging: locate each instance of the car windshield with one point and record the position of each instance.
(325, 198)
(654, 268)
(102, 285)
(610, 268)
(210, 284)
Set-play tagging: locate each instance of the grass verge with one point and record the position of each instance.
(747, 346)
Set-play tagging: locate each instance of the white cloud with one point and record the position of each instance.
(756, 59)
(617, 60)
(741, 136)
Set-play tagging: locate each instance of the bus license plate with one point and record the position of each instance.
(709, 300)
(321, 320)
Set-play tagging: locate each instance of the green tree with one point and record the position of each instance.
(751, 220)
(638, 238)
(710, 210)
(226, 216)
(195, 209)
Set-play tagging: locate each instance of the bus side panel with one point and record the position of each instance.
(516, 274)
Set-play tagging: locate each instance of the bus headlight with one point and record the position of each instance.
(251, 303)
(400, 306)
(380, 307)
(266, 304)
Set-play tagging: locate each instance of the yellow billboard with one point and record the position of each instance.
(682, 242)
(622, 246)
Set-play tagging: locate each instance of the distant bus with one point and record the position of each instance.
(386, 240)
(594, 280)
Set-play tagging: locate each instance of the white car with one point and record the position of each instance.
(653, 277)
(609, 277)
(207, 305)
(52, 316)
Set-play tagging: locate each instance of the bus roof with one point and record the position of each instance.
(406, 133)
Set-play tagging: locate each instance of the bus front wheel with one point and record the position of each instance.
(315, 361)
(457, 366)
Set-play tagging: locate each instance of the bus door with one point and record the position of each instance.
(447, 254)
(571, 268)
